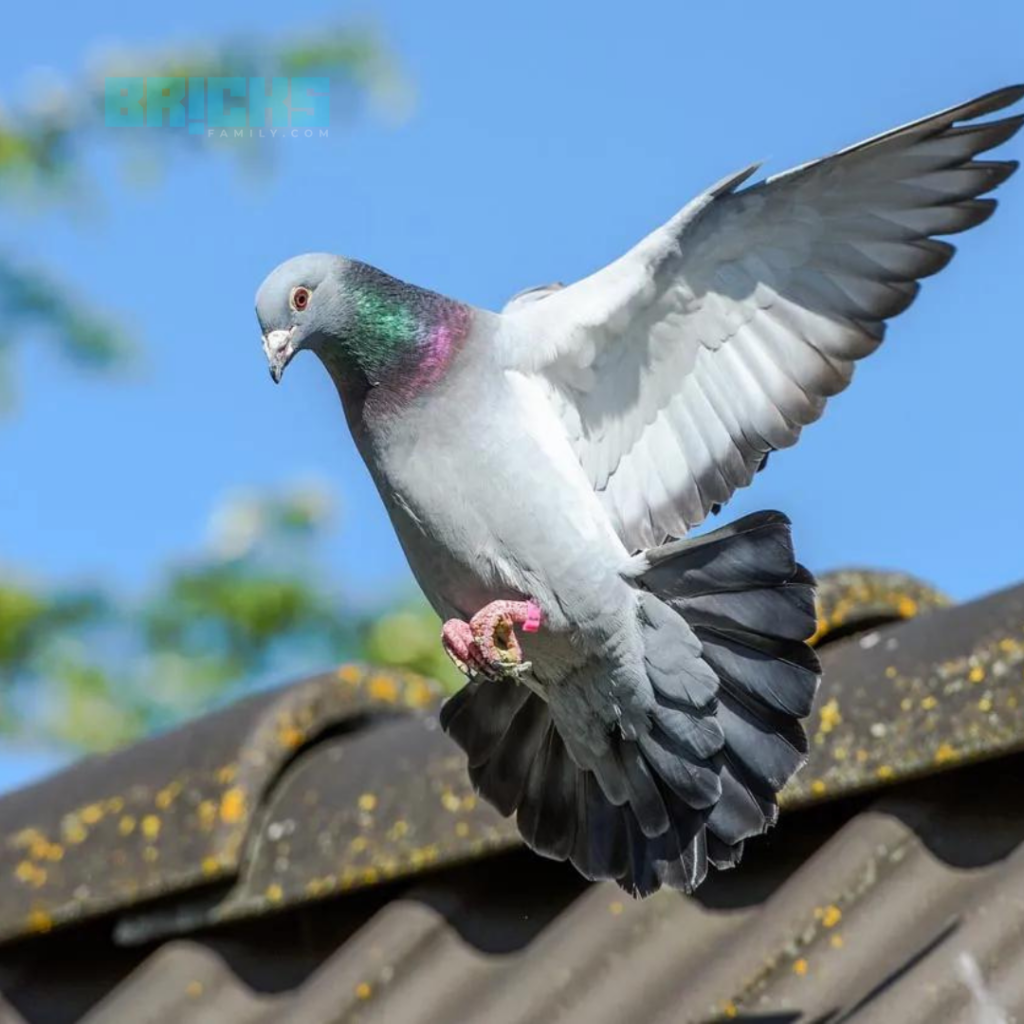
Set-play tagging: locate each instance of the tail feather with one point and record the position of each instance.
(779, 610)
(770, 749)
(601, 850)
(722, 620)
(646, 799)
(720, 854)
(694, 734)
(780, 674)
(676, 858)
(478, 716)
(753, 552)
(546, 816)
(692, 778)
(502, 778)
(742, 812)
(690, 681)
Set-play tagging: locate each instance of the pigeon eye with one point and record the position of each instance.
(299, 299)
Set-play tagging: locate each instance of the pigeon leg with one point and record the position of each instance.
(487, 644)
(459, 645)
(494, 633)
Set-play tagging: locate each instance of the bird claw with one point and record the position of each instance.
(487, 645)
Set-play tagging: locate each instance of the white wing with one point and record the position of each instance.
(678, 367)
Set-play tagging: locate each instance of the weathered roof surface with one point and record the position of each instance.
(174, 812)
(369, 884)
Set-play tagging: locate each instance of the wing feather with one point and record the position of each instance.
(676, 369)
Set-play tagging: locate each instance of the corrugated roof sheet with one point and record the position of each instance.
(176, 811)
(372, 886)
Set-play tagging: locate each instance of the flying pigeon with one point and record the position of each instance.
(543, 466)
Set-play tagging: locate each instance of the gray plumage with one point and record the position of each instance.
(555, 452)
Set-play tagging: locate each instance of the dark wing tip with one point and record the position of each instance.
(988, 103)
(1004, 97)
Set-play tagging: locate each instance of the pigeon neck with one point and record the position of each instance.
(398, 338)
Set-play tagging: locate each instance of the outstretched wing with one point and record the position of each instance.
(678, 367)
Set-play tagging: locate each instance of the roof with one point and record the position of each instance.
(317, 853)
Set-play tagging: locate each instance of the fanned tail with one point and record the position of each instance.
(723, 619)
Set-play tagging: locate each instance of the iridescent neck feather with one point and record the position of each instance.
(395, 336)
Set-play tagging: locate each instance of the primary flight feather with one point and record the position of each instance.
(541, 465)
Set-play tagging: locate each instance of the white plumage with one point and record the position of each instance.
(677, 368)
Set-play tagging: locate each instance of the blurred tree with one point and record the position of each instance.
(89, 671)
(85, 669)
(44, 141)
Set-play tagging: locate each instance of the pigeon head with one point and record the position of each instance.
(300, 305)
(368, 328)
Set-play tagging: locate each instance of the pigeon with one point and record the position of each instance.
(635, 694)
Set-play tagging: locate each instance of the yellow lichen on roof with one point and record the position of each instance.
(350, 674)
(830, 716)
(206, 814)
(383, 688)
(419, 693)
(831, 916)
(450, 802)
(166, 796)
(72, 829)
(29, 873)
(232, 805)
(38, 922)
(398, 830)
(91, 814)
(847, 597)
(290, 737)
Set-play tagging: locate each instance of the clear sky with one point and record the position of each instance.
(544, 140)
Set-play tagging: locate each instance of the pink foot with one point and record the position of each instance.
(488, 643)
(459, 645)
(494, 630)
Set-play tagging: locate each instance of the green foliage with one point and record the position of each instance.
(42, 141)
(257, 595)
(32, 302)
(83, 709)
(410, 638)
(43, 144)
(91, 670)
(28, 618)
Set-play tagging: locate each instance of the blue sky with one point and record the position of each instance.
(543, 141)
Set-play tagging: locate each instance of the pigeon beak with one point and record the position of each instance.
(279, 349)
